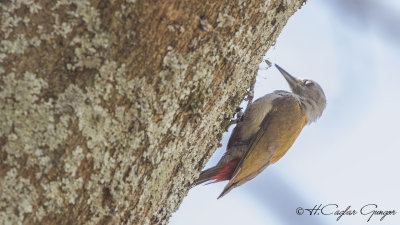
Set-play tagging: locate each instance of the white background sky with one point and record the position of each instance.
(350, 156)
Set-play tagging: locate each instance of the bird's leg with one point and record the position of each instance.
(249, 98)
(238, 116)
(250, 93)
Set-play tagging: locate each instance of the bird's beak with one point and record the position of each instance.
(293, 82)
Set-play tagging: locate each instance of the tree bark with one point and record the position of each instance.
(110, 108)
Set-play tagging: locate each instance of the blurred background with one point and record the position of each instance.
(350, 156)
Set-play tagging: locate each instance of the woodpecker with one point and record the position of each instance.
(266, 131)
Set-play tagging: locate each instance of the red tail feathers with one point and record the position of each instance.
(218, 173)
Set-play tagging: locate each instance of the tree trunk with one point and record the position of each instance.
(110, 108)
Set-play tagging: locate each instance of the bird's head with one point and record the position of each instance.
(311, 94)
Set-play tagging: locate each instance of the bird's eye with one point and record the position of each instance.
(308, 82)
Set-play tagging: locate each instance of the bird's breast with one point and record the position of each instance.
(288, 120)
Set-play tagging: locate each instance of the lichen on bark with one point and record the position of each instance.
(109, 109)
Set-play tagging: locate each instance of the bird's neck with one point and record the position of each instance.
(312, 109)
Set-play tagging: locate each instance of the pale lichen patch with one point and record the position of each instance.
(225, 20)
(83, 10)
(54, 201)
(72, 162)
(30, 128)
(34, 7)
(17, 46)
(13, 187)
(71, 186)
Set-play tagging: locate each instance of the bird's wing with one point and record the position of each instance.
(277, 132)
(252, 118)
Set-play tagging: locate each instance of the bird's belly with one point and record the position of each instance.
(286, 139)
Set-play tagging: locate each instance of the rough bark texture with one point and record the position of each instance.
(110, 108)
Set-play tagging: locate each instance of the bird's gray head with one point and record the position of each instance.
(311, 94)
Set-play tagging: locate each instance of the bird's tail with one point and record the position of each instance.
(218, 173)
